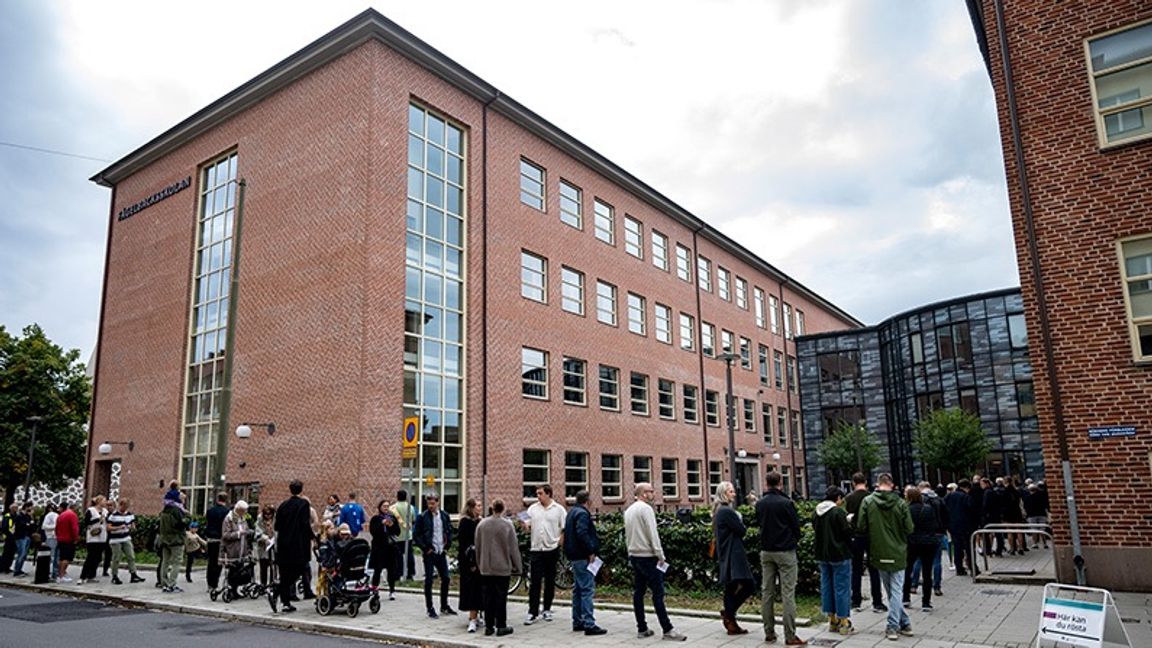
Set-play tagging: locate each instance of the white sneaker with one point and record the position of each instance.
(530, 619)
(546, 615)
(64, 579)
(472, 625)
(672, 635)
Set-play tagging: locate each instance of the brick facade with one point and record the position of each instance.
(1084, 198)
(319, 330)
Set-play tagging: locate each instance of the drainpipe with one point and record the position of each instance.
(1038, 288)
(701, 399)
(484, 297)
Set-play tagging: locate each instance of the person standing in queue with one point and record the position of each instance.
(212, 532)
(648, 565)
(497, 557)
(293, 524)
(546, 524)
(581, 544)
(433, 534)
(735, 572)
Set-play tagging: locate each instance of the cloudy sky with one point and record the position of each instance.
(851, 143)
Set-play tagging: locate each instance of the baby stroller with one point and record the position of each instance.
(343, 580)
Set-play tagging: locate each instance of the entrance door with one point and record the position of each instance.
(747, 479)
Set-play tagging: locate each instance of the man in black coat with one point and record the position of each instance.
(293, 543)
(960, 525)
(213, 533)
(994, 499)
(433, 534)
(779, 536)
(581, 544)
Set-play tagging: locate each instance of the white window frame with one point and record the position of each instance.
(727, 341)
(660, 250)
(687, 332)
(1142, 281)
(638, 394)
(527, 364)
(711, 408)
(749, 415)
(571, 208)
(527, 288)
(763, 353)
(1116, 108)
(704, 273)
(604, 221)
(670, 488)
(663, 323)
(774, 314)
(799, 322)
(787, 321)
(575, 474)
(781, 427)
(606, 293)
(741, 293)
(691, 397)
(723, 283)
(708, 339)
(694, 475)
(529, 486)
(666, 412)
(641, 469)
(715, 474)
(766, 421)
(611, 477)
(633, 237)
(579, 373)
(612, 378)
(637, 314)
(571, 281)
(758, 304)
(745, 353)
(778, 369)
(683, 263)
(535, 199)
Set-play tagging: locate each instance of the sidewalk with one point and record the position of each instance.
(969, 615)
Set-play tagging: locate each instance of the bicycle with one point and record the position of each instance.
(563, 573)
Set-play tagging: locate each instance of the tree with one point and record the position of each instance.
(952, 440)
(39, 378)
(849, 449)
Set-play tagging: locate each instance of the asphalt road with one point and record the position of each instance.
(30, 620)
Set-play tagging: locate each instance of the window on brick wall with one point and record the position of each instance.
(641, 470)
(606, 303)
(604, 221)
(572, 290)
(758, 306)
(1136, 272)
(609, 388)
(746, 353)
(749, 415)
(575, 473)
(659, 250)
(639, 393)
(533, 277)
(535, 471)
(633, 237)
(611, 476)
(687, 331)
(766, 421)
(663, 323)
(711, 407)
(781, 427)
(726, 343)
(723, 284)
(670, 478)
(533, 373)
(691, 404)
(707, 339)
(774, 314)
(1121, 71)
(791, 374)
(683, 262)
(788, 321)
(778, 368)
(575, 380)
(715, 475)
(799, 322)
(704, 273)
(694, 469)
(797, 433)
(666, 398)
(741, 293)
(571, 205)
(763, 354)
(637, 322)
(531, 186)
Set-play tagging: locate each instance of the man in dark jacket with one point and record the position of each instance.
(213, 530)
(433, 534)
(779, 535)
(960, 525)
(833, 556)
(581, 544)
(293, 546)
(994, 499)
(860, 550)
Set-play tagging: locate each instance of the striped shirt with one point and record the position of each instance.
(123, 520)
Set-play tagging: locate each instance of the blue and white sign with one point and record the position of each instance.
(1112, 432)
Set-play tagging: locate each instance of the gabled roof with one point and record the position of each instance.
(372, 25)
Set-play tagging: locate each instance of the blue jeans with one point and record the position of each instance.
(894, 584)
(937, 565)
(22, 545)
(583, 587)
(647, 577)
(836, 587)
(55, 569)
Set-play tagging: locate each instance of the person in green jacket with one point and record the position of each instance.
(834, 557)
(170, 538)
(884, 517)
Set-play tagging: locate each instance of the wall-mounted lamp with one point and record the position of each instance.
(775, 456)
(245, 429)
(106, 447)
(741, 453)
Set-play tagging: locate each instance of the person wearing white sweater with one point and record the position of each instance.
(648, 565)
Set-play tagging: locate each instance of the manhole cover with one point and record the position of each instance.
(997, 592)
(63, 611)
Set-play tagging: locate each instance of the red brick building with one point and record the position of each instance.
(1073, 82)
(415, 243)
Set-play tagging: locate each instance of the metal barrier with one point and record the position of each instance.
(1001, 528)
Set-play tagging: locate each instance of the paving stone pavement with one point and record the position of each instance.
(968, 615)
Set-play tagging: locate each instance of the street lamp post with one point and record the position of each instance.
(35, 421)
(728, 358)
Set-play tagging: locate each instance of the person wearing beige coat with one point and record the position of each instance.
(498, 557)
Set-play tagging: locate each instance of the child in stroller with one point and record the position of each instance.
(343, 580)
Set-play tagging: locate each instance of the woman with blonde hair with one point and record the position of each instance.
(96, 539)
(735, 572)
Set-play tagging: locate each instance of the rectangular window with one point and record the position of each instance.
(666, 396)
(774, 314)
(746, 353)
(916, 343)
(715, 474)
(778, 368)
(633, 237)
(799, 331)
(741, 293)
(572, 290)
(763, 353)
(571, 205)
(693, 473)
(639, 394)
(533, 373)
(786, 479)
(670, 478)
(606, 303)
(797, 436)
(535, 471)
(704, 273)
(1018, 331)
(708, 339)
(971, 404)
(691, 406)
(749, 415)
(723, 283)
(711, 408)
(787, 321)
(1136, 272)
(766, 421)
(641, 470)
(605, 222)
(574, 382)
(687, 332)
(781, 427)
(1121, 65)
(954, 342)
(533, 277)
(575, 473)
(611, 476)
(791, 374)
(531, 188)
(659, 250)
(663, 324)
(637, 322)
(726, 344)
(758, 304)
(683, 262)
(1025, 399)
(609, 388)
